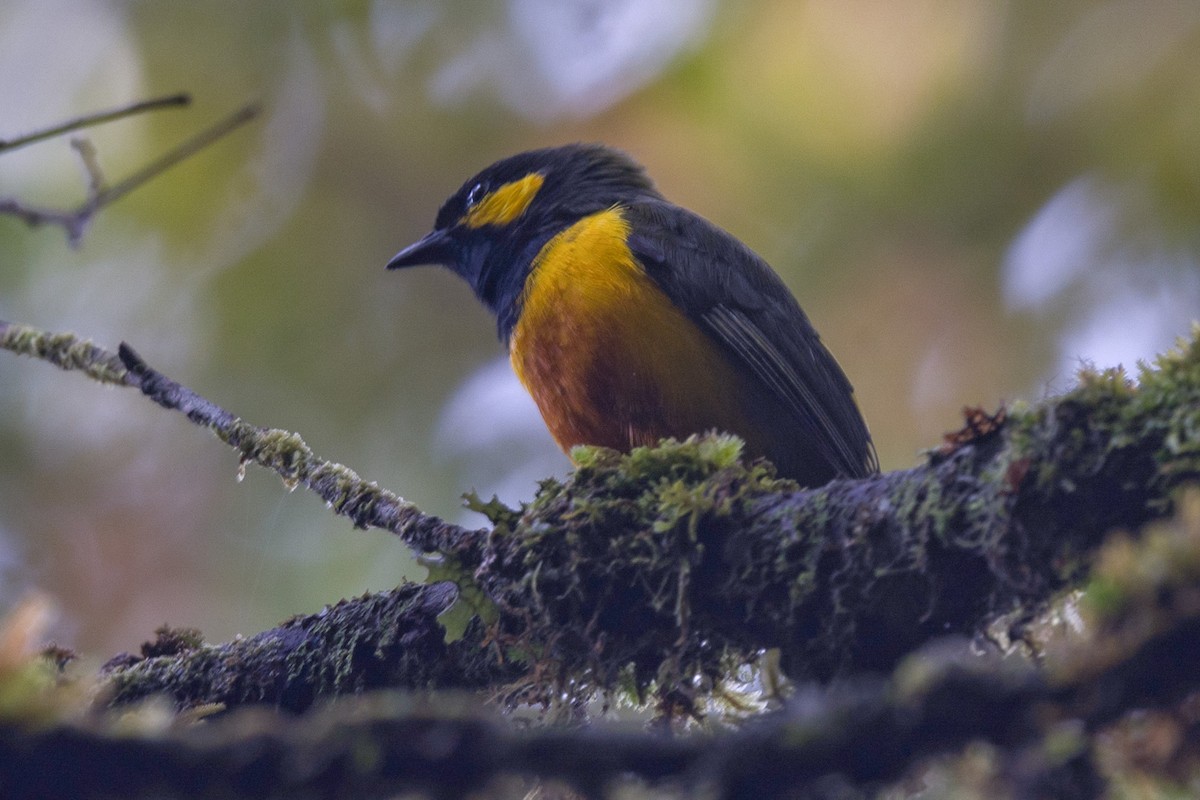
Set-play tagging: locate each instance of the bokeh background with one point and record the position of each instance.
(969, 197)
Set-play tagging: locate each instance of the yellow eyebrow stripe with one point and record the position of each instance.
(505, 204)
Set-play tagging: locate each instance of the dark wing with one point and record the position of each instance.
(735, 297)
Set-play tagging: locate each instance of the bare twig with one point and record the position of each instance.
(75, 222)
(183, 151)
(70, 221)
(99, 118)
(91, 165)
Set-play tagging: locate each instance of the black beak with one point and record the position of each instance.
(433, 248)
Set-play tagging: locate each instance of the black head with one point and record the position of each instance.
(490, 229)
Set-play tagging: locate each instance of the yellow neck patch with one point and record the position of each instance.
(505, 204)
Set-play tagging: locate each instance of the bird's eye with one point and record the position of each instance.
(475, 195)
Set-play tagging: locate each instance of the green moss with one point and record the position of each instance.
(1142, 577)
(1106, 597)
(610, 555)
(28, 691)
(502, 517)
(172, 641)
(1092, 427)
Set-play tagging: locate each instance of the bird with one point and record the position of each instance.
(630, 319)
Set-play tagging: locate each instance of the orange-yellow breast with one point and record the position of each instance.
(606, 355)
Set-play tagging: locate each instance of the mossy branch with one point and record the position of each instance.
(670, 565)
(1140, 621)
(380, 640)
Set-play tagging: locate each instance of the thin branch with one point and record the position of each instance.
(65, 351)
(183, 151)
(99, 118)
(76, 222)
(284, 452)
(70, 221)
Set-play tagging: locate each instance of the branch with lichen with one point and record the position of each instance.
(283, 452)
(669, 566)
